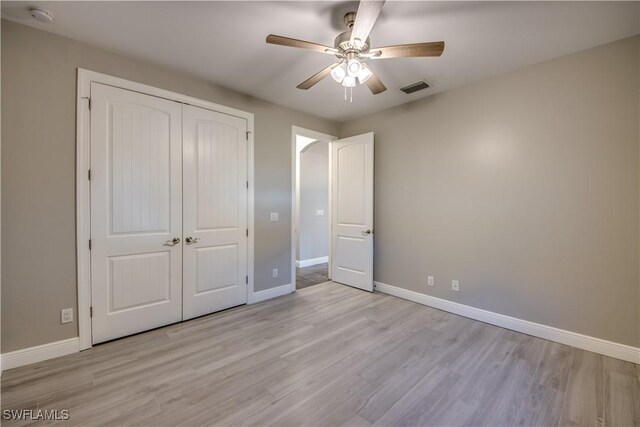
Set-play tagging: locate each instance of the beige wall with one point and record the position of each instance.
(38, 169)
(524, 187)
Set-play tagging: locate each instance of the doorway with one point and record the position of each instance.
(312, 249)
(311, 208)
(348, 176)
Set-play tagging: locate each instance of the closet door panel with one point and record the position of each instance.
(215, 211)
(136, 212)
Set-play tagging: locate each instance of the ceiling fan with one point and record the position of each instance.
(352, 48)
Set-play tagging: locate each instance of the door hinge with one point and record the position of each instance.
(88, 101)
(247, 134)
(89, 244)
(91, 311)
(89, 174)
(246, 279)
(247, 185)
(247, 232)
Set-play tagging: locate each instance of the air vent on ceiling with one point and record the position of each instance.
(415, 87)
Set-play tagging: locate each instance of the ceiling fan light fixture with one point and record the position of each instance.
(354, 66)
(349, 81)
(339, 72)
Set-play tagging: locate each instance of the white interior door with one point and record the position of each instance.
(136, 212)
(215, 211)
(352, 211)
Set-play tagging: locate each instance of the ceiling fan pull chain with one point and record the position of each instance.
(345, 93)
(351, 95)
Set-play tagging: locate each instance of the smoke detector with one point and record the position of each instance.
(41, 15)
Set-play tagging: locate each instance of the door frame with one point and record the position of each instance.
(295, 180)
(83, 189)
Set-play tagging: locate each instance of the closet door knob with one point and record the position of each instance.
(175, 240)
(191, 239)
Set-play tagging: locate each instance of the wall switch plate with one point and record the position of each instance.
(319, 212)
(431, 281)
(455, 285)
(66, 315)
(274, 216)
(275, 272)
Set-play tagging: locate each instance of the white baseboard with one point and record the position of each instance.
(271, 293)
(312, 261)
(585, 342)
(30, 355)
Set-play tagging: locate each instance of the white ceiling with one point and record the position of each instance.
(224, 42)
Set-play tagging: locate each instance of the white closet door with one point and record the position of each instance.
(136, 212)
(215, 211)
(352, 211)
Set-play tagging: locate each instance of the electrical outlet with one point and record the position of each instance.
(274, 216)
(66, 315)
(455, 285)
(431, 281)
(275, 272)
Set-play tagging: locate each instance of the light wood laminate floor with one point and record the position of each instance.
(311, 276)
(331, 355)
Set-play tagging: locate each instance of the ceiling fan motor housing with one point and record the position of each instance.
(342, 43)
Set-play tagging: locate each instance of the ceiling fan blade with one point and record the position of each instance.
(374, 83)
(317, 77)
(368, 12)
(288, 41)
(408, 50)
